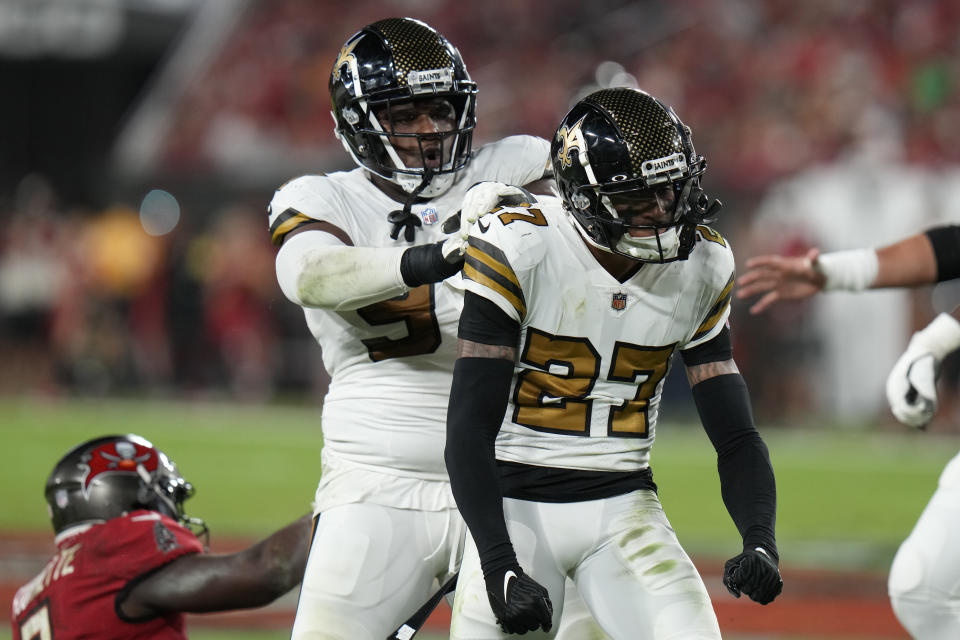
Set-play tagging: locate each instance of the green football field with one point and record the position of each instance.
(847, 497)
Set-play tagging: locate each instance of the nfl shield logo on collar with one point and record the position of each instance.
(429, 216)
(619, 302)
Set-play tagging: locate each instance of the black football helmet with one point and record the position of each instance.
(623, 149)
(109, 476)
(390, 62)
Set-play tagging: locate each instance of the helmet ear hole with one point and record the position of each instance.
(699, 207)
(580, 201)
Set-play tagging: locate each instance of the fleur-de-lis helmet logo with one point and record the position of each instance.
(570, 138)
(346, 55)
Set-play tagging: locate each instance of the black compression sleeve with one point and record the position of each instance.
(717, 349)
(478, 400)
(946, 249)
(484, 322)
(746, 476)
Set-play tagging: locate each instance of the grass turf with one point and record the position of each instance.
(846, 497)
(254, 468)
(848, 494)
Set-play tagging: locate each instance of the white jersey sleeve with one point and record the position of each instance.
(516, 160)
(301, 201)
(712, 262)
(502, 256)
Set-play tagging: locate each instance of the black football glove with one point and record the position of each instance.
(754, 573)
(519, 602)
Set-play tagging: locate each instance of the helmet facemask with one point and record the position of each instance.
(641, 222)
(412, 159)
(165, 490)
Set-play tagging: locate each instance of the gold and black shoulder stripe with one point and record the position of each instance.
(287, 222)
(711, 235)
(716, 311)
(487, 265)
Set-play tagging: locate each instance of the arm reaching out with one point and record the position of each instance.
(923, 258)
(910, 262)
(216, 582)
(780, 278)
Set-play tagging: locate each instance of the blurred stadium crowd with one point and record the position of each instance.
(832, 124)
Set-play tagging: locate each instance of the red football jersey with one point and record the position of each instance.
(74, 596)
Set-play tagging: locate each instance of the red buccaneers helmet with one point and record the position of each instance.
(109, 476)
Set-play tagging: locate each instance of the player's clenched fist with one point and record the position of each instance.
(754, 573)
(518, 601)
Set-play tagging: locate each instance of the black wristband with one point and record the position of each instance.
(425, 263)
(946, 250)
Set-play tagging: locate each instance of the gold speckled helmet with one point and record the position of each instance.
(620, 147)
(395, 61)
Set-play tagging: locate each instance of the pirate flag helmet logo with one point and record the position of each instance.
(109, 476)
(116, 456)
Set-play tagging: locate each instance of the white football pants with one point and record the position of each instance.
(924, 581)
(625, 561)
(371, 567)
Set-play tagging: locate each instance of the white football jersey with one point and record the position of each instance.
(391, 363)
(594, 352)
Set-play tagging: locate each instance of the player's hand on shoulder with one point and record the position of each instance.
(477, 202)
(519, 602)
(755, 573)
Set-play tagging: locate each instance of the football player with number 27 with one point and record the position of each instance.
(573, 310)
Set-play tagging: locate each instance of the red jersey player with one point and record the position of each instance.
(126, 565)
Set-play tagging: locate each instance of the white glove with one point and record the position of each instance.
(453, 248)
(477, 202)
(911, 385)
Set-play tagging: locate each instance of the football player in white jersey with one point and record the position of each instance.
(361, 251)
(573, 310)
(926, 570)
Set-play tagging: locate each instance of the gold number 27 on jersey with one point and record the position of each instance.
(556, 399)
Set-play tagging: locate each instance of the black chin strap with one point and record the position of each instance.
(403, 218)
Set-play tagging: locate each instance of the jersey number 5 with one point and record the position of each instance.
(417, 310)
(557, 399)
